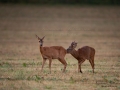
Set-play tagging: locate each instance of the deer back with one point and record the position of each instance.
(53, 52)
(86, 52)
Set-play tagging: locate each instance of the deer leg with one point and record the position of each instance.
(44, 60)
(50, 61)
(64, 63)
(79, 65)
(92, 64)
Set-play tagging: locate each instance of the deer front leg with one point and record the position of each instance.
(79, 65)
(44, 60)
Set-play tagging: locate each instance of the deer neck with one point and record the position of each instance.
(41, 49)
(75, 54)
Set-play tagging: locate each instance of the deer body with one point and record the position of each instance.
(82, 54)
(53, 52)
(86, 52)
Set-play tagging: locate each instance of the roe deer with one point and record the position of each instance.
(82, 54)
(53, 52)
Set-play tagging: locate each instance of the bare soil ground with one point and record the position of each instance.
(20, 60)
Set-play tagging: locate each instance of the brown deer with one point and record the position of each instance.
(82, 54)
(53, 52)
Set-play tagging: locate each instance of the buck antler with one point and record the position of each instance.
(43, 37)
(37, 37)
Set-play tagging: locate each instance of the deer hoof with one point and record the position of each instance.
(81, 71)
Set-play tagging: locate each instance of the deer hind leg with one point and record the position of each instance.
(44, 60)
(79, 68)
(92, 63)
(64, 63)
(79, 65)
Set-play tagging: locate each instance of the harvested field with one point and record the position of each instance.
(20, 59)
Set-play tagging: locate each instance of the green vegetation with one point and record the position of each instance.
(5, 65)
(24, 64)
(48, 87)
(19, 75)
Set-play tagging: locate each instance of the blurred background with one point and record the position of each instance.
(88, 2)
(88, 22)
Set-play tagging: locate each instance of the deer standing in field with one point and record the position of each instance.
(53, 52)
(82, 54)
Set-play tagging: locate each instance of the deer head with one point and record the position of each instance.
(72, 47)
(40, 40)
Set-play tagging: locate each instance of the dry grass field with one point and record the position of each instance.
(20, 59)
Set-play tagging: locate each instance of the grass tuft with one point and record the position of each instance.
(48, 87)
(71, 80)
(5, 65)
(20, 75)
(24, 65)
(36, 78)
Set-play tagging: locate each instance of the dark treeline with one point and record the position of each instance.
(89, 2)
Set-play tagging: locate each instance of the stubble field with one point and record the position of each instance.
(20, 59)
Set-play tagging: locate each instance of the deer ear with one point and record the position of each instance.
(37, 37)
(75, 43)
(43, 37)
(72, 43)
